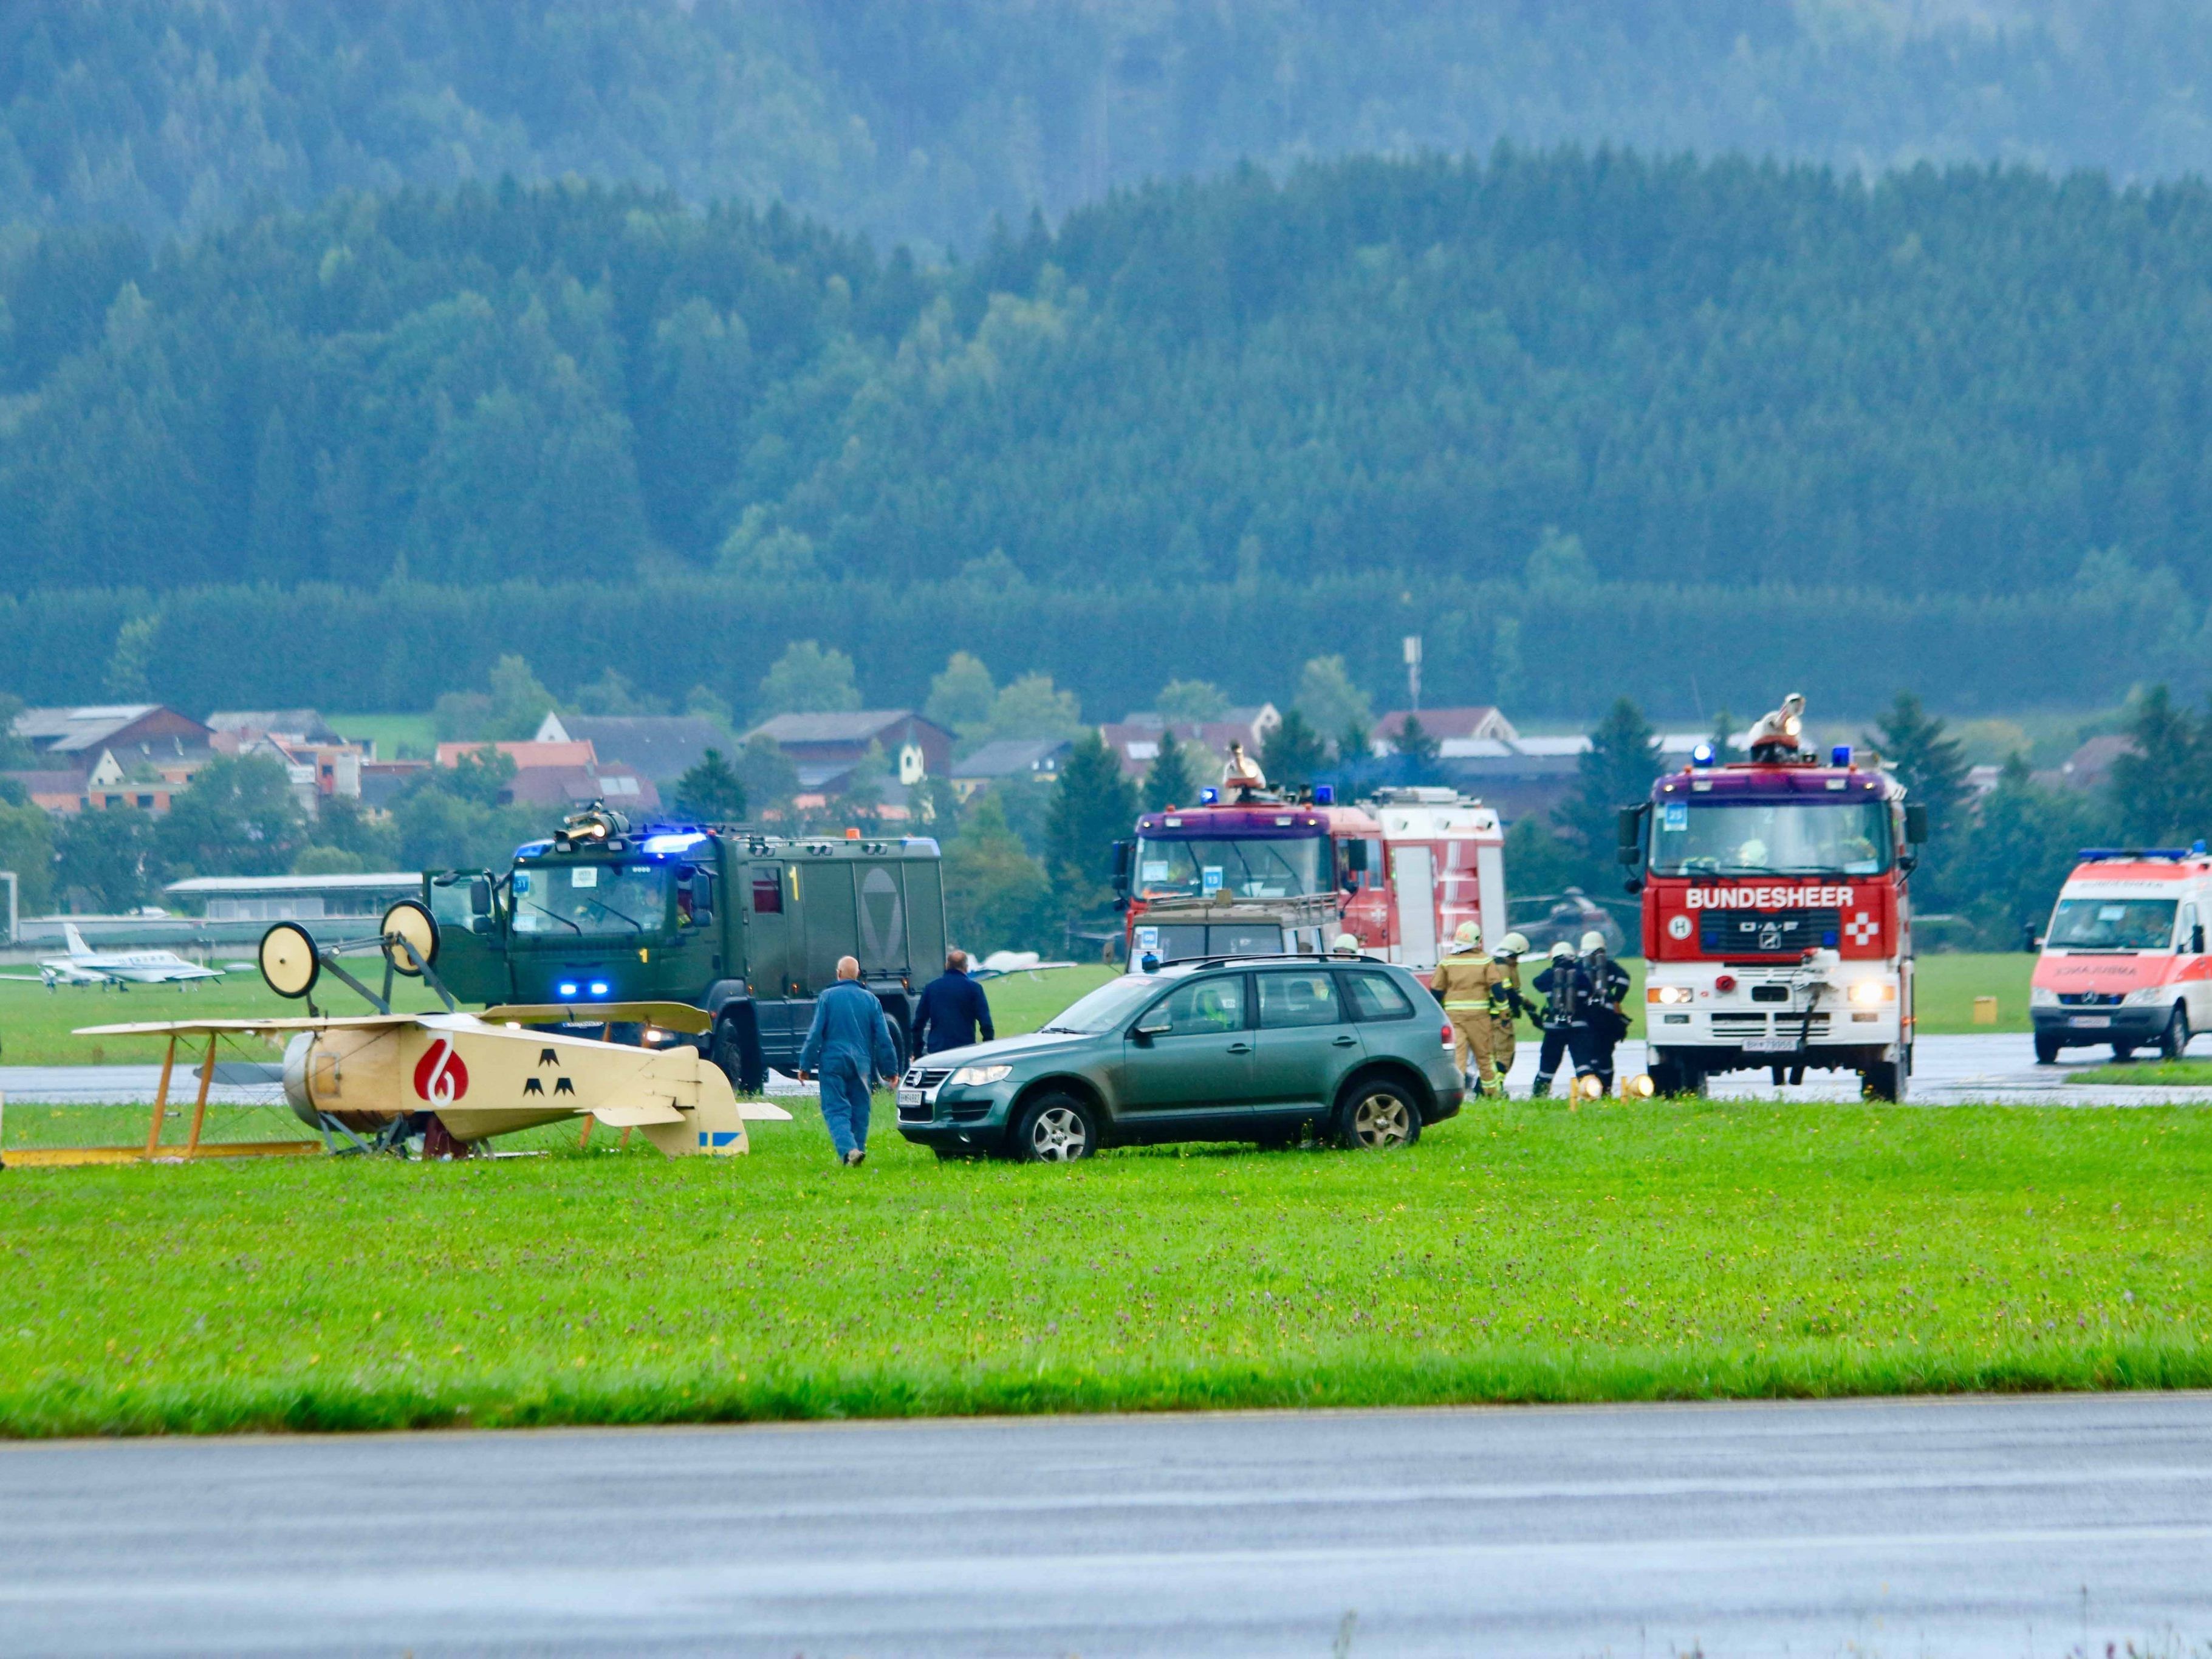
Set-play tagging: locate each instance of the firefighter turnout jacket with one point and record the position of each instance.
(1468, 983)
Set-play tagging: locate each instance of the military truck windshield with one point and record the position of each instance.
(591, 900)
(2112, 924)
(1796, 838)
(1249, 868)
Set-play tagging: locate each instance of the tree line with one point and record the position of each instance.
(1828, 421)
(925, 121)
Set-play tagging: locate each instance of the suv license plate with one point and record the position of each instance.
(1770, 1045)
(2090, 1022)
(910, 1096)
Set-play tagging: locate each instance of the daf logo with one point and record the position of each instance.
(1770, 938)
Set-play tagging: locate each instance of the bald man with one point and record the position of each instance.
(848, 1047)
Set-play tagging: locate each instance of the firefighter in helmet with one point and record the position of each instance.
(1609, 983)
(1464, 983)
(1507, 1005)
(1565, 1019)
(1344, 944)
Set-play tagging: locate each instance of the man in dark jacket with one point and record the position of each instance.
(952, 1006)
(848, 1047)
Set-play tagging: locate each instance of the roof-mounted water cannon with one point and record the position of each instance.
(596, 825)
(1777, 737)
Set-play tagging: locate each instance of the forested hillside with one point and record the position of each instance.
(1682, 396)
(922, 118)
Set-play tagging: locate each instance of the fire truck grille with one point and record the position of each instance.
(1766, 932)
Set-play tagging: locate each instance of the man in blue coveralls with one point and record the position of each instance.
(848, 1046)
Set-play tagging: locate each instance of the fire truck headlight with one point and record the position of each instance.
(2041, 996)
(1668, 993)
(1868, 992)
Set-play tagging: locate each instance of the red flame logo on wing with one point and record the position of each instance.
(440, 1076)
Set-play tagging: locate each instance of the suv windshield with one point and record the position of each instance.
(1105, 1007)
(1794, 838)
(594, 900)
(2095, 924)
(1253, 867)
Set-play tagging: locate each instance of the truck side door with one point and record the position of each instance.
(766, 890)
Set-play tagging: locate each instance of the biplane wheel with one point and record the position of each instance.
(289, 962)
(407, 920)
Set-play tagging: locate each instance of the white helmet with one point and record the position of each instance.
(1513, 945)
(1561, 948)
(1468, 935)
(1345, 945)
(1593, 940)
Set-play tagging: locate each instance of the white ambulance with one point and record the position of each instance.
(2124, 960)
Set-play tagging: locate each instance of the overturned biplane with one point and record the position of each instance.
(371, 1082)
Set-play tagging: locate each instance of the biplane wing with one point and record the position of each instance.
(252, 1027)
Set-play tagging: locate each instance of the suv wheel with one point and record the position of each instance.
(1377, 1115)
(1055, 1129)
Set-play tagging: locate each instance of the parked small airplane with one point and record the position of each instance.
(385, 1076)
(462, 1078)
(85, 966)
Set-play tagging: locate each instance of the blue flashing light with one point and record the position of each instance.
(530, 849)
(567, 988)
(2196, 848)
(1324, 794)
(599, 988)
(675, 842)
(1840, 755)
(1702, 755)
(1209, 797)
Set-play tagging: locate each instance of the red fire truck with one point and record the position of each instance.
(1778, 931)
(1270, 872)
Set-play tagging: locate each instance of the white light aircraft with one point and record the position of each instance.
(85, 966)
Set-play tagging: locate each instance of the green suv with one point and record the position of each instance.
(1238, 1050)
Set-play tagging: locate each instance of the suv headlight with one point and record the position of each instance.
(2042, 996)
(975, 1077)
(2149, 996)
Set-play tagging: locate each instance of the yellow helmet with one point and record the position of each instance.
(1513, 945)
(1468, 935)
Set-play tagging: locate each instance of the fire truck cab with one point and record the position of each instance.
(1270, 872)
(1777, 932)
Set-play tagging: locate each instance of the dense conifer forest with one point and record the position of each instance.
(1566, 411)
(920, 119)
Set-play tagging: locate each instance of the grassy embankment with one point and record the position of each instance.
(35, 1023)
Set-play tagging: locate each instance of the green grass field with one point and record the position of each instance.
(1526, 1253)
(35, 1023)
(2149, 1074)
(397, 736)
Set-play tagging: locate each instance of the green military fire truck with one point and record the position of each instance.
(746, 926)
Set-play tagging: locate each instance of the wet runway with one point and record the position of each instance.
(2003, 1526)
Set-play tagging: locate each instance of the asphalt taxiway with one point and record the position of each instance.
(2014, 1526)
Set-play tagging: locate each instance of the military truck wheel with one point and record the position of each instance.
(2046, 1051)
(736, 1049)
(2175, 1038)
(1054, 1129)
